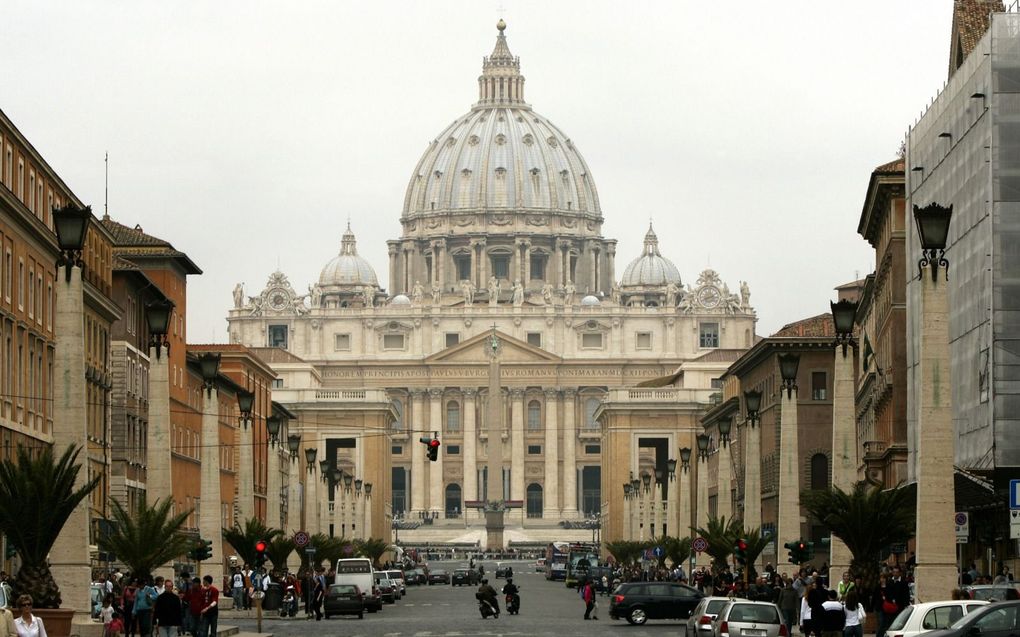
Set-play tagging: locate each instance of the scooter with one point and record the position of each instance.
(513, 603)
(484, 607)
(289, 604)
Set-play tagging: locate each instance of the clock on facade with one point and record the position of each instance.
(277, 299)
(709, 296)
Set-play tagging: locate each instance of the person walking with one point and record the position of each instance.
(318, 594)
(166, 613)
(588, 594)
(209, 599)
(789, 603)
(854, 611)
(7, 628)
(833, 616)
(28, 625)
(127, 604)
(144, 601)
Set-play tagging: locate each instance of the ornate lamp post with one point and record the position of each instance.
(935, 549)
(246, 457)
(209, 516)
(724, 471)
(71, 224)
(844, 425)
(157, 318)
(273, 424)
(158, 479)
(789, 455)
(684, 495)
(310, 501)
(703, 441)
(627, 525)
(293, 444)
(752, 465)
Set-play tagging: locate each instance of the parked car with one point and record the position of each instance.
(387, 588)
(637, 602)
(992, 592)
(344, 599)
(464, 577)
(398, 577)
(416, 577)
(502, 569)
(744, 618)
(700, 622)
(1000, 619)
(438, 576)
(922, 618)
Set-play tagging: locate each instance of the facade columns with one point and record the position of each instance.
(273, 485)
(470, 449)
(417, 459)
(550, 495)
(394, 271)
(527, 265)
(752, 477)
(158, 477)
(684, 503)
(516, 444)
(935, 572)
(246, 472)
(436, 468)
(789, 479)
(569, 454)
(627, 525)
(844, 447)
(209, 523)
(703, 558)
(610, 262)
(294, 505)
(724, 480)
(311, 498)
(483, 264)
(70, 553)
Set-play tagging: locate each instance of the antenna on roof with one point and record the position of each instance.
(106, 191)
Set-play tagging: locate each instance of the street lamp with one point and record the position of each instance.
(210, 365)
(324, 470)
(273, 424)
(626, 490)
(293, 444)
(245, 402)
(310, 453)
(788, 364)
(348, 479)
(843, 314)
(724, 425)
(671, 468)
(357, 486)
(157, 316)
(933, 228)
(71, 223)
(685, 458)
(368, 489)
(752, 403)
(702, 446)
(646, 479)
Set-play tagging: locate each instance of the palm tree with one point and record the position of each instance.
(327, 549)
(720, 534)
(372, 548)
(626, 551)
(278, 550)
(243, 539)
(37, 496)
(147, 539)
(756, 544)
(678, 550)
(868, 519)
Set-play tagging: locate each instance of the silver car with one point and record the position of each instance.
(699, 624)
(744, 618)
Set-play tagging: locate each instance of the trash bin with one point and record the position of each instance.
(274, 597)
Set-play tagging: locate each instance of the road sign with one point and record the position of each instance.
(658, 552)
(301, 539)
(1014, 494)
(310, 550)
(699, 544)
(962, 521)
(1014, 525)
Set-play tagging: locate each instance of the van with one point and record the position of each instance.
(359, 571)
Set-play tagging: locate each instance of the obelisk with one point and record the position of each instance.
(494, 504)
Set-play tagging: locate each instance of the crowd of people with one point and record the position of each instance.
(158, 607)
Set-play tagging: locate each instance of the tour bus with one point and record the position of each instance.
(359, 571)
(581, 558)
(556, 560)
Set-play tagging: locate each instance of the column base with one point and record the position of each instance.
(935, 581)
(569, 514)
(551, 514)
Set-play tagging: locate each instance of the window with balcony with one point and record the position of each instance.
(463, 264)
(453, 416)
(538, 266)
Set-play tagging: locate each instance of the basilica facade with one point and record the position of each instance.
(501, 233)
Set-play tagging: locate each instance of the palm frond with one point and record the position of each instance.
(147, 539)
(243, 538)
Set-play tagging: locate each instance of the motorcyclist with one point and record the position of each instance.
(511, 591)
(488, 594)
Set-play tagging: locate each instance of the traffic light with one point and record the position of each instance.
(431, 447)
(202, 550)
(809, 551)
(798, 551)
(740, 551)
(260, 553)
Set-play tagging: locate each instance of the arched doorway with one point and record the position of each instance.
(453, 501)
(534, 501)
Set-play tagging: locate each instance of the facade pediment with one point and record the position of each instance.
(476, 350)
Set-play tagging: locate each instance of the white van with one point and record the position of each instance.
(359, 571)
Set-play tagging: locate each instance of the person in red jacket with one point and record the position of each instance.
(588, 594)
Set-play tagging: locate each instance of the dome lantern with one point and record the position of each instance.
(501, 82)
(347, 269)
(651, 269)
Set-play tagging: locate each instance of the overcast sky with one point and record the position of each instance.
(246, 133)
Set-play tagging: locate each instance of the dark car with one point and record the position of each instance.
(438, 576)
(344, 599)
(1000, 619)
(637, 602)
(415, 577)
(464, 577)
(504, 570)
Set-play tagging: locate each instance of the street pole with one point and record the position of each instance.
(258, 611)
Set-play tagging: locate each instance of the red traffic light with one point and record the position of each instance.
(801, 546)
(742, 545)
(260, 546)
(434, 443)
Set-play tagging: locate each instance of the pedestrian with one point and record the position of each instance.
(209, 597)
(318, 593)
(195, 600)
(833, 616)
(144, 601)
(28, 625)
(854, 612)
(588, 594)
(167, 611)
(7, 628)
(844, 586)
(789, 604)
(884, 605)
(106, 612)
(116, 626)
(807, 626)
(127, 604)
(237, 589)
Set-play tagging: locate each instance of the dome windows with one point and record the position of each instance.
(473, 140)
(552, 142)
(500, 139)
(528, 139)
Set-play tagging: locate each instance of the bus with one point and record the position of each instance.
(556, 560)
(581, 558)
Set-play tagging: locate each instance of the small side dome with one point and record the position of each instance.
(400, 300)
(651, 268)
(348, 269)
(590, 301)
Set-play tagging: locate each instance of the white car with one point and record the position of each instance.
(922, 618)
(699, 624)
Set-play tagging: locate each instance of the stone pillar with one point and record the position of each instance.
(724, 482)
(367, 516)
(417, 456)
(483, 266)
(158, 477)
(436, 468)
(69, 557)
(703, 559)
(627, 530)
(551, 490)
(527, 265)
(209, 516)
(569, 454)
(684, 520)
(311, 501)
(440, 257)
(788, 527)
(592, 257)
(246, 474)
(470, 449)
(752, 478)
(844, 449)
(273, 485)
(394, 247)
(555, 265)
(935, 572)
(294, 506)
(610, 265)
(517, 444)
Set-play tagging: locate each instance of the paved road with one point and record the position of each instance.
(547, 609)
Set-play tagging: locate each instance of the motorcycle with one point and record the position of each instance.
(289, 604)
(513, 603)
(485, 607)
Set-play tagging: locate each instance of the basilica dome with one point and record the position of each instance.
(347, 269)
(501, 154)
(651, 268)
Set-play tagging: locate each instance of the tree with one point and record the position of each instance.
(678, 550)
(372, 548)
(278, 550)
(37, 496)
(243, 539)
(756, 545)
(720, 534)
(147, 539)
(626, 551)
(868, 519)
(327, 549)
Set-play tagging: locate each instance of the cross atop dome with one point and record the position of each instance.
(651, 242)
(501, 83)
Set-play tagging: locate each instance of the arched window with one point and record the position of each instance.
(453, 416)
(453, 503)
(398, 406)
(534, 415)
(590, 405)
(819, 471)
(534, 500)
